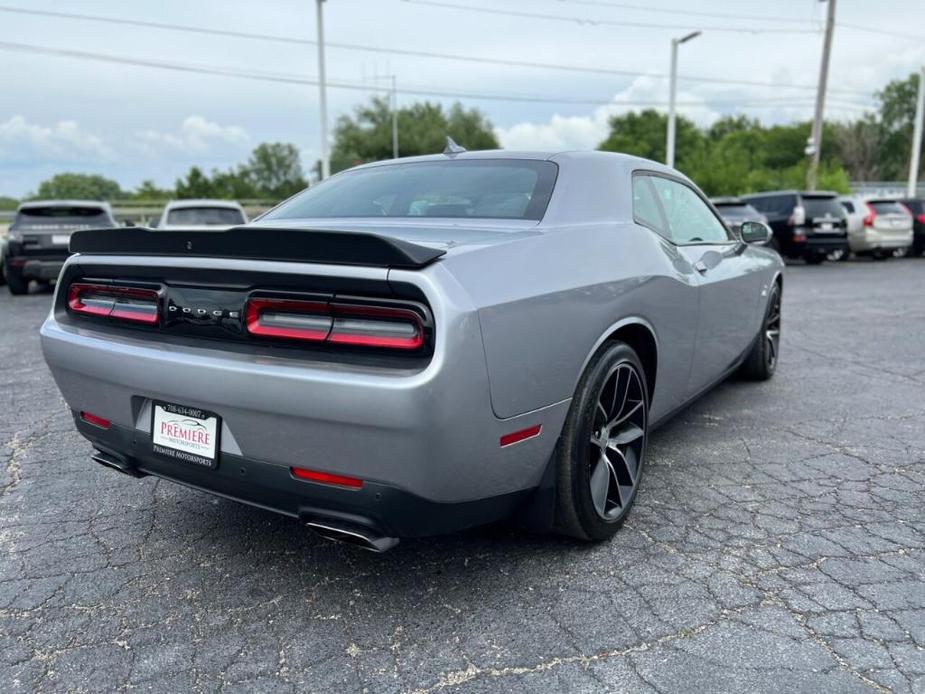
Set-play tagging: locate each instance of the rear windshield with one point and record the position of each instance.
(887, 207)
(60, 217)
(849, 206)
(499, 189)
(736, 210)
(205, 216)
(775, 205)
(820, 207)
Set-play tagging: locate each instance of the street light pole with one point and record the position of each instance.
(323, 96)
(917, 137)
(394, 119)
(672, 91)
(816, 137)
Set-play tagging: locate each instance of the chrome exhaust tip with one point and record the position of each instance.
(352, 535)
(114, 463)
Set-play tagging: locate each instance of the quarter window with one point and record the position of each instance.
(689, 218)
(645, 205)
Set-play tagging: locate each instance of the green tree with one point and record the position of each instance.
(195, 184)
(897, 113)
(272, 171)
(8, 204)
(643, 134)
(148, 190)
(77, 186)
(422, 129)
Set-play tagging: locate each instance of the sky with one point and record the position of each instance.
(129, 121)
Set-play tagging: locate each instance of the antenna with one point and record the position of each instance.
(452, 149)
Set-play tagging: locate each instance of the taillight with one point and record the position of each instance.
(352, 324)
(95, 420)
(326, 478)
(921, 218)
(869, 217)
(131, 304)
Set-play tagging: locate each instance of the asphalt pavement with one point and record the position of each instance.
(777, 545)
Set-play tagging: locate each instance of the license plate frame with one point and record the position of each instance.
(186, 435)
(60, 239)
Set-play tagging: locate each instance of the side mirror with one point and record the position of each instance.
(755, 233)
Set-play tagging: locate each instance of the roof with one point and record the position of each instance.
(204, 202)
(805, 193)
(63, 203)
(728, 200)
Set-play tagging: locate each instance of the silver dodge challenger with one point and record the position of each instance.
(418, 346)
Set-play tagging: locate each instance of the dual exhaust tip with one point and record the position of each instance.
(333, 530)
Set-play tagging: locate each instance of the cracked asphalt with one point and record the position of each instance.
(778, 544)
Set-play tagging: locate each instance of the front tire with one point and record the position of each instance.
(761, 362)
(601, 453)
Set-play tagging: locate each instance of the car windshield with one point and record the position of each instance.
(472, 188)
(61, 216)
(887, 207)
(205, 216)
(820, 207)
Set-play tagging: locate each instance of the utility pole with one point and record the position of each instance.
(323, 94)
(815, 144)
(394, 119)
(672, 92)
(917, 137)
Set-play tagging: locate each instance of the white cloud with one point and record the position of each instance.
(196, 135)
(587, 132)
(23, 141)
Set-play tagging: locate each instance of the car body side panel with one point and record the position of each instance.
(572, 285)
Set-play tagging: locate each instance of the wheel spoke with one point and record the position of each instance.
(626, 435)
(621, 464)
(600, 485)
(620, 420)
(616, 484)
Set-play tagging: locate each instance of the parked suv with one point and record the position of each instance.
(201, 214)
(805, 225)
(734, 211)
(916, 207)
(878, 227)
(40, 234)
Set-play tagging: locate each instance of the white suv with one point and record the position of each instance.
(879, 227)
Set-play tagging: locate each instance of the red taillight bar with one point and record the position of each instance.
(358, 325)
(326, 478)
(521, 435)
(95, 420)
(109, 301)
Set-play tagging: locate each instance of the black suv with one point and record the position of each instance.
(917, 207)
(806, 225)
(40, 234)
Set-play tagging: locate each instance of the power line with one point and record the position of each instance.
(883, 32)
(677, 11)
(403, 51)
(588, 21)
(341, 84)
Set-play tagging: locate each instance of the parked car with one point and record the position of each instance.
(418, 346)
(806, 225)
(734, 211)
(201, 214)
(38, 238)
(3, 243)
(916, 207)
(877, 227)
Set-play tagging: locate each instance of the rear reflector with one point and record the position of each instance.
(522, 435)
(122, 303)
(359, 325)
(95, 421)
(327, 478)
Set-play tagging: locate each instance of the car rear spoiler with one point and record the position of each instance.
(259, 243)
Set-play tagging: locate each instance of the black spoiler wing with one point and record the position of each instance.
(258, 243)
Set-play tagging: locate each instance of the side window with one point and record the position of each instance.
(645, 206)
(849, 206)
(689, 218)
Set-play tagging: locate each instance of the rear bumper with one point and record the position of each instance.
(381, 508)
(821, 244)
(45, 266)
(871, 240)
(428, 433)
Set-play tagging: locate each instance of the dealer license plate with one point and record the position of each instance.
(186, 434)
(60, 239)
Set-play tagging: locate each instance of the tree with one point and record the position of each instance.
(196, 184)
(77, 186)
(148, 190)
(273, 170)
(858, 147)
(897, 113)
(643, 134)
(422, 129)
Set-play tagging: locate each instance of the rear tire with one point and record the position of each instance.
(601, 453)
(16, 282)
(761, 362)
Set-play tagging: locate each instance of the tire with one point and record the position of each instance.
(761, 362)
(16, 283)
(616, 378)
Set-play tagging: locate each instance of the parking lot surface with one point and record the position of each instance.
(778, 544)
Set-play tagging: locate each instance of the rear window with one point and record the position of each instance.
(486, 189)
(820, 207)
(58, 217)
(774, 205)
(849, 206)
(736, 210)
(887, 207)
(205, 216)
(916, 206)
